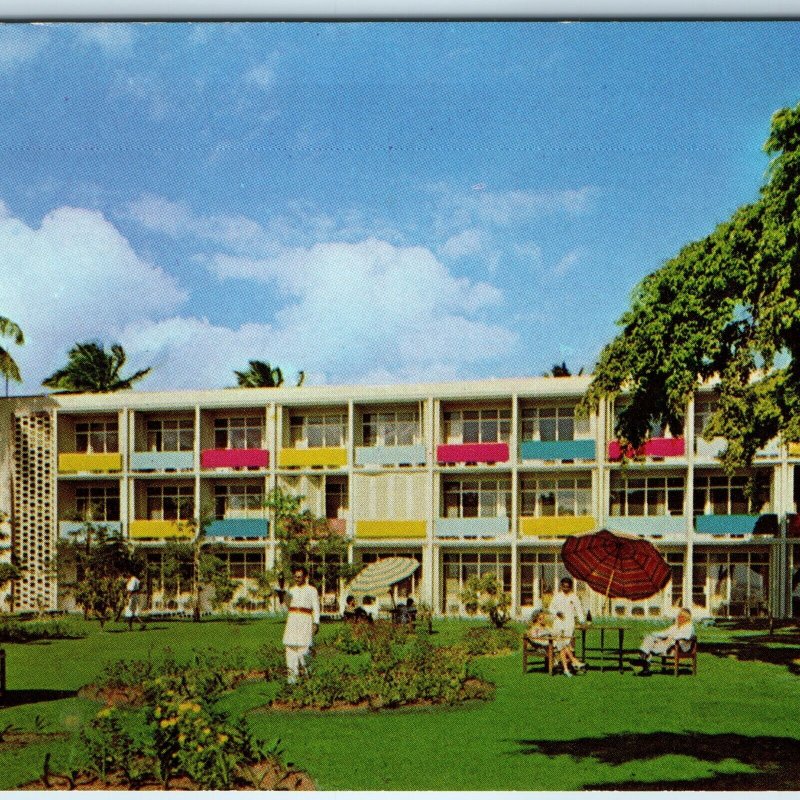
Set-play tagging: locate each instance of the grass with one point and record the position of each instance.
(734, 725)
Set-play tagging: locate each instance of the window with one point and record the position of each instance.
(556, 497)
(731, 583)
(657, 430)
(539, 575)
(245, 564)
(458, 567)
(477, 498)
(704, 407)
(97, 503)
(238, 500)
(553, 424)
(238, 433)
(170, 502)
(390, 428)
(97, 437)
(646, 497)
(327, 430)
(719, 494)
(170, 435)
(335, 497)
(477, 427)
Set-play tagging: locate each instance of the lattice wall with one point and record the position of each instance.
(34, 507)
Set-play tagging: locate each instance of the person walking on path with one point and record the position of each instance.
(132, 588)
(302, 623)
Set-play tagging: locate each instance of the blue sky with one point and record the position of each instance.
(371, 203)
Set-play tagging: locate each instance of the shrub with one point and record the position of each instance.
(14, 632)
(490, 641)
(272, 659)
(367, 637)
(109, 747)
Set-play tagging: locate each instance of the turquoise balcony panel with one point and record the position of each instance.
(399, 454)
(557, 451)
(725, 523)
(648, 526)
(472, 527)
(162, 462)
(239, 528)
(69, 529)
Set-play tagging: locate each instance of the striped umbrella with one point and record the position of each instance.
(381, 574)
(616, 564)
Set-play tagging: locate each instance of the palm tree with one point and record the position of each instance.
(8, 367)
(260, 375)
(561, 371)
(91, 369)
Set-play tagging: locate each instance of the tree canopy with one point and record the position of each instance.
(724, 310)
(91, 369)
(260, 375)
(8, 367)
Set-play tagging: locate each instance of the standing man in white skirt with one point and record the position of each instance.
(301, 624)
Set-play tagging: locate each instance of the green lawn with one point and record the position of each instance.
(734, 725)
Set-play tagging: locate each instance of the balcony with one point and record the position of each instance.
(70, 529)
(244, 528)
(714, 448)
(577, 449)
(649, 526)
(234, 459)
(546, 527)
(89, 462)
(737, 524)
(312, 457)
(160, 529)
(653, 448)
(391, 529)
(472, 527)
(171, 461)
(390, 456)
(486, 453)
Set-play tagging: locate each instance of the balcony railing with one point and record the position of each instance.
(472, 527)
(244, 528)
(649, 526)
(486, 453)
(312, 457)
(654, 448)
(737, 524)
(234, 459)
(70, 529)
(390, 456)
(390, 529)
(89, 462)
(577, 449)
(160, 529)
(556, 526)
(168, 461)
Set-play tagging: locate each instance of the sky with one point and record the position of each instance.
(366, 202)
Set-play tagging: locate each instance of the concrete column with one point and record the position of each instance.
(688, 505)
(514, 448)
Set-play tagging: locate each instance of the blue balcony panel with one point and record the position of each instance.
(69, 528)
(557, 451)
(239, 528)
(725, 523)
(162, 462)
(457, 528)
(648, 526)
(399, 454)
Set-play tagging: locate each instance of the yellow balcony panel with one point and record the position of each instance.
(794, 448)
(312, 457)
(160, 529)
(90, 462)
(390, 529)
(556, 526)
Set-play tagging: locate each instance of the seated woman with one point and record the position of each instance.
(350, 609)
(661, 643)
(542, 631)
(563, 630)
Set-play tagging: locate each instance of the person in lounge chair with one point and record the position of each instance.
(661, 643)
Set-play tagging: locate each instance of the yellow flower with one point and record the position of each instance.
(199, 748)
(164, 723)
(222, 738)
(158, 712)
(105, 712)
(181, 737)
(206, 731)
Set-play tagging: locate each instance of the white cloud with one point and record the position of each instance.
(114, 38)
(466, 243)
(20, 44)
(262, 75)
(74, 278)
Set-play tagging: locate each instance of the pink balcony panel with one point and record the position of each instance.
(212, 459)
(489, 452)
(657, 448)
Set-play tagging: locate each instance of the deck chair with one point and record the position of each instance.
(682, 650)
(532, 651)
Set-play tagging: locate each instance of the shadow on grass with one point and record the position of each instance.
(21, 697)
(778, 649)
(776, 758)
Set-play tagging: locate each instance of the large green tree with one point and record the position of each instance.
(260, 375)
(8, 367)
(726, 310)
(90, 368)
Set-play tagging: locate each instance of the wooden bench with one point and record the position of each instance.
(534, 652)
(677, 654)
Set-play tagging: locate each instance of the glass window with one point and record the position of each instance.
(238, 433)
(326, 430)
(97, 437)
(476, 498)
(170, 435)
(477, 426)
(553, 424)
(239, 500)
(97, 503)
(564, 497)
(650, 496)
(170, 502)
(335, 497)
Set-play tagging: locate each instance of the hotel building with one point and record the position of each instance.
(465, 477)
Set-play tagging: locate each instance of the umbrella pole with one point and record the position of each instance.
(608, 590)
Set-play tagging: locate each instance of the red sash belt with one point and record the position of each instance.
(301, 610)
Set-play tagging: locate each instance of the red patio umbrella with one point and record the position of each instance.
(616, 564)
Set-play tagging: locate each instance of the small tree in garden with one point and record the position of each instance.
(485, 593)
